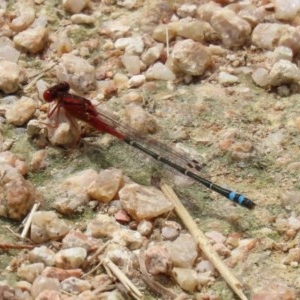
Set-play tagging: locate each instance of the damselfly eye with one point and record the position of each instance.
(56, 90)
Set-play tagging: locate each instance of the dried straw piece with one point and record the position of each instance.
(203, 243)
(28, 220)
(123, 279)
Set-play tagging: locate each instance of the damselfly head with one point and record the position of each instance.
(55, 91)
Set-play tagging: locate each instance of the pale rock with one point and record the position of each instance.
(102, 226)
(38, 160)
(206, 10)
(252, 14)
(187, 10)
(197, 30)
(205, 266)
(10, 74)
(21, 112)
(73, 192)
(75, 285)
(158, 260)
(170, 230)
(191, 58)
(145, 227)
(294, 223)
(221, 249)
(74, 6)
(163, 33)
(152, 54)
(76, 238)
(49, 295)
(42, 283)
(227, 79)
(261, 77)
(183, 257)
(120, 82)
(128, 238)
(282, 52)
(125, 259)
(131, 45)
(30, 272)
(284, 72)
(61, 274)
(234, 30)
(70, 258)
(115, 29)
(138, 119)
(269, 35)
(25, 15)
(159, 71)
(17, 195)
(128, 4)
(292, 257)
(42, 254)
(205, 279)
(286, 10)
(143, 202)
(77, 71)
(22, 290)
(186, 278)
(131, 63)
(105, 186)
(9, 53)
(276, 290)
(47, 226)
(82, 19)
(32, 40)
(7, 157)
(136, 81)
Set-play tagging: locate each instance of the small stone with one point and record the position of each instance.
(61, 274)
(74, 6)
(284, 72)
(70, 258)
(197, 30)
(269, 35)
(163, 33)
(38, 160)
(132, 45)
(30, 272)
(77, 71)
(136, 81)
(170, 230)
(131, 63)
(17, 195)
(139, 119)
(187, 10)
(294, 223)
(145, 228)
(32, 40)
(215, 236)
(206, 10)
(75, 285)
(261, 77)
(76, 238)
(128, 4)
(159, 71)
(49, 295)
(227, 79)
(102, 226)
(25, 16)
(121, 216)
(143, 202)
(186, 278)
(191, 57)
(82, 19)
(276, 290)
(10, 74)
(152, 54)
(129, 238)
(234, 30)
(106, 185)
(42, 254)
(9, 53)
(183, 257)
(42, 283)
(205, 266)
(21, 112)
(158, 260)
(282, 52)
(286, 10)
(47, 226)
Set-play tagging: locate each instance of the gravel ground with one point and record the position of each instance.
(245, 134)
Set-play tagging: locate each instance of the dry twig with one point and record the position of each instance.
(203, 243)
